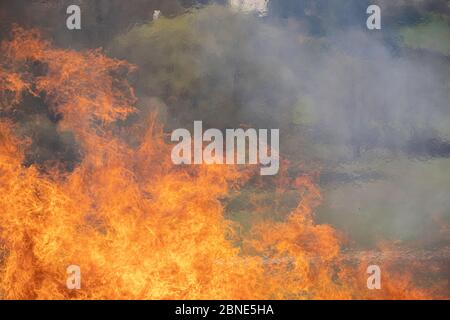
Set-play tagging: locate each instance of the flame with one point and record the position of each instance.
(138, 226)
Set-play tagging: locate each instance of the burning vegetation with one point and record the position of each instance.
(138, 226)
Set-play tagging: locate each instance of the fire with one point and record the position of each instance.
(138, 226)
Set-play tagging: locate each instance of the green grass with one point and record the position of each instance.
(433, 35)
(409, 202)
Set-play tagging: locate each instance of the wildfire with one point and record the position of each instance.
(138, 226)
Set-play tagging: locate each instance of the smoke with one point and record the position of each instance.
(359, 102)
(377, 98)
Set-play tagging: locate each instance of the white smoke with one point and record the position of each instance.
(258, 6)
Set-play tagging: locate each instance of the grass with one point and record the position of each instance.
(433, 35)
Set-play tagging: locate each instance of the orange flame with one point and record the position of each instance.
(138, 226)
